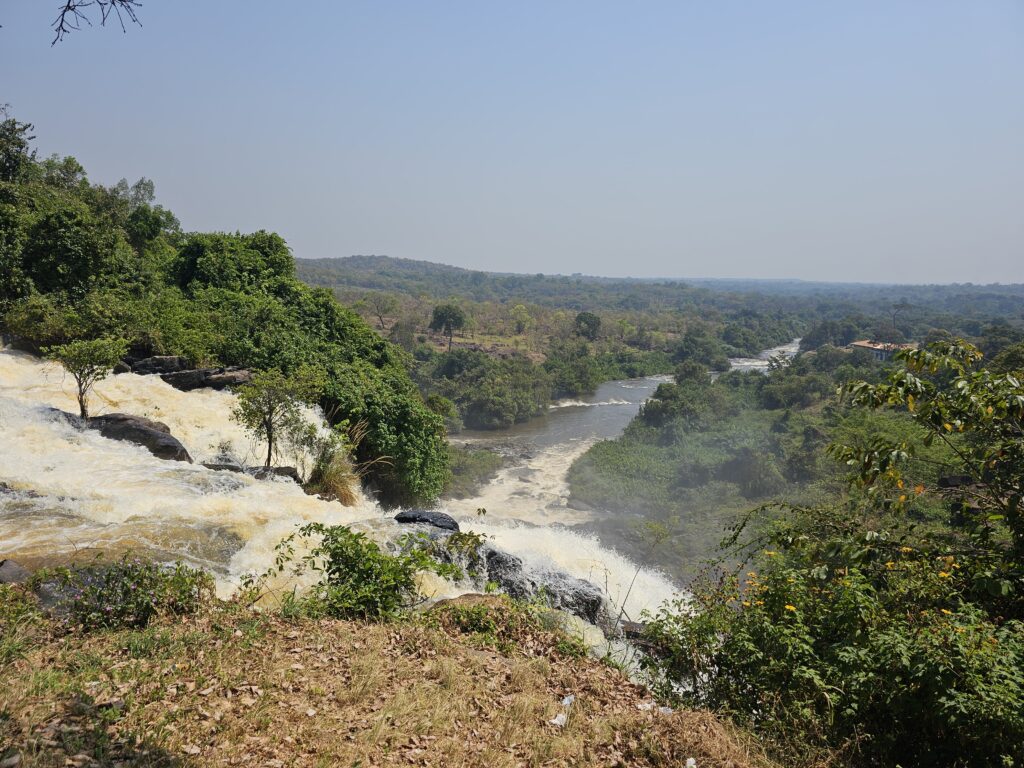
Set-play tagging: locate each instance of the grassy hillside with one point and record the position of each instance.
(470, 683)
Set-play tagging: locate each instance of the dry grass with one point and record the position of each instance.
(231, 687)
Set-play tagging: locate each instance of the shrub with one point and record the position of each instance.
(881, 657)
(126, 593)
(357, 579)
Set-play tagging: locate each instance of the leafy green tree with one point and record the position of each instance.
(68, 250)
(587, 325)
(853, 627)
(15, 146)
(381, 304)
(521, 318)
(270, 406)
(88, 362)
(976, 414)
(447, 319)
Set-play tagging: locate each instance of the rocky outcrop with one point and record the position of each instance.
(562, 591)
(428, 517)
(160, 364)
(152, 435)
(213, 378)
(488, 565)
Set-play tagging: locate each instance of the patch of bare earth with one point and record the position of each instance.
(233, 687)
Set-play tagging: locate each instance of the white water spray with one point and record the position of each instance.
(75, 490)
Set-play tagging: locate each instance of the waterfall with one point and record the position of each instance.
(70, 490)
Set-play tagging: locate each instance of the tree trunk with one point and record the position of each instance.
(270, 447)
(450, 333)
(83, 402)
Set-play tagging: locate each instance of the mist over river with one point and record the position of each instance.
(70, 491)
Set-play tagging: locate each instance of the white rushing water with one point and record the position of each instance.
(74, 491)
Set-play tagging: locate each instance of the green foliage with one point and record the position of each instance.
(871, 625)
(471, 468)
(357, 579)
(81, 261)
(15, 147)
(270, 406)
(332, 475)
(843, 638)
(979, 417)
(489, 393)
(88, 362)
(448, 318)
(508, 626)
(573, 370)
(68, 249)
(127, 593)
(587, 325)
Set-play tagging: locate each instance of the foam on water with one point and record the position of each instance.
(74, 489)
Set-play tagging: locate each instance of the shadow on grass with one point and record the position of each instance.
(82, 733)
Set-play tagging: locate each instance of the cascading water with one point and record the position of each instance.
(71, 490)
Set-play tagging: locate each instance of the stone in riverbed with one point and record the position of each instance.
(160, 364)
(214, 378)
(152, 435)
(260, 473)
(436, 519)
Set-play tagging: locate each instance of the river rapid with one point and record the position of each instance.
(69, 492)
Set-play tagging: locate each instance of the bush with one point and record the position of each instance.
(357, 579)
(882, 657)
(127, 593)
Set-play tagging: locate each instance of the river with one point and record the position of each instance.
(69, 491)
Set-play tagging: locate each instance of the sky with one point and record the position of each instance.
(872, 141)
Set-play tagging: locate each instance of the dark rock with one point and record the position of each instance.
(289, 472)
(955, 481)
(260, 473)
(214, 378)
(160, 364)
(224, 467)
(436, 519)
(153, 435)
(488, 564)
(6, 490)
(572, 595)
(12, 573)
(122, 367)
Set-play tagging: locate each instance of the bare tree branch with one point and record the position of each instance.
(73, 13)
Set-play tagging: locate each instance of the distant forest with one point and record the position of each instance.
(580, 292)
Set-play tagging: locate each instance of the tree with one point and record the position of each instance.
(88, 362)
(73, 13)
(381, 304)
(15, 140)
(448, 318)
(978, 415)
(521, 319)
(68, 250)
(588, 325)
(270, 407)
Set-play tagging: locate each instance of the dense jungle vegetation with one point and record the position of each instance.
(80, 260)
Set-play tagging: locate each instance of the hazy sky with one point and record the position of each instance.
(857, 140)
